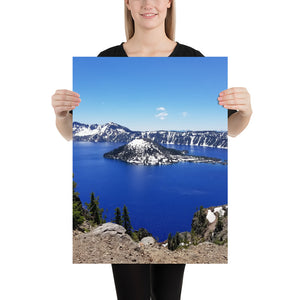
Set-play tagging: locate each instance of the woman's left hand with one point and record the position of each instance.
(236, 98)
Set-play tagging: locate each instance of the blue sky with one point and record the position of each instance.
(151, 93)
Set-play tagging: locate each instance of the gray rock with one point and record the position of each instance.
(148, 241)
(108, 228)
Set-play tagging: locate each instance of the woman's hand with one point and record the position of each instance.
(63, 101)
(236, 98)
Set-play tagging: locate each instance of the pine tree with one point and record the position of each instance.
(199, 223)
(117, 219)
(202, 216)
(193, 236)
(177, 239)
(202, 222)
(142, 232)
(173, 243)
(169, 240)
(226, 211)
(78, 211)
(185, 240)
(126, 221)
(78, 218)
(94, 210)
(219, 225)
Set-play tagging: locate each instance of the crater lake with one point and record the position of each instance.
(161, 199)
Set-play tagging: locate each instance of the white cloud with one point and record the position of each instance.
(162, 115)
(184, 114)
(161, 108)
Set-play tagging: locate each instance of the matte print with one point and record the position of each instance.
(149, 160)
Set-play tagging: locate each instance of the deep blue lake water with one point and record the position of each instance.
(161, 199)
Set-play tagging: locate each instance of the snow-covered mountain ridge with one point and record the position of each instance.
(115, 133)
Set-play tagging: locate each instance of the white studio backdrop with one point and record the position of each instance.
(39, 39)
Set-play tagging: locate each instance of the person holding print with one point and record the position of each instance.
(150, 32)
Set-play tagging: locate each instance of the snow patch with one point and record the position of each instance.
(210, 216)
(219, 210)
(87, 131)
(138, 143)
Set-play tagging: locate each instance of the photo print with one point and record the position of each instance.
(150, 160)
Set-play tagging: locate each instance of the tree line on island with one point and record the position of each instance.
(93, 215)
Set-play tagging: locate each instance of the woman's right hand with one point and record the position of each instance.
(63, 101)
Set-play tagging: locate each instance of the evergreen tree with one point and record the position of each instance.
(177, 239)
(78, 211)
(199, 223)
(126, 221)
(193, 236)
(78, 218)
(173, 243)
(201, 215)
(219, 225)
(202, 222)
(185, 240)
(169, 240)
(117, 219)
(142, 232)
(94, 210)
(226, 211)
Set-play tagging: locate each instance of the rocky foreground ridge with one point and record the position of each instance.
(109, 243)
